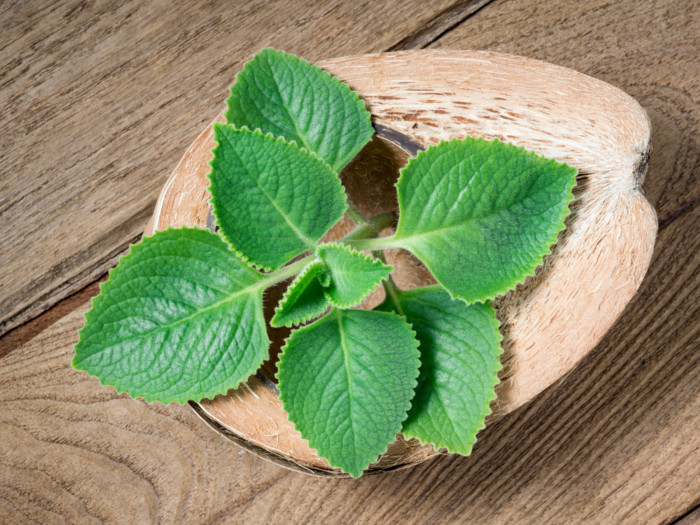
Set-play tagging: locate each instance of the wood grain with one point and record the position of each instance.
(100, 99)
(614, 442)
(648, 49)
(441, 24)
(16, 338)
(692, 518)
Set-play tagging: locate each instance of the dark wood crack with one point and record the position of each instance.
(440, 25)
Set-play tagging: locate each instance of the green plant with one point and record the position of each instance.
(180, 317)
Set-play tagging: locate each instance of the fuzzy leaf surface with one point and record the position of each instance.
(347, 381)
(460, 349)
(288, 97)
(305, 297)
(353, 275)
(271, 199)
(481, 214)
(179, 319)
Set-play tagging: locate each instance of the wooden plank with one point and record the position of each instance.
(438, 26)
(615, 442)
(100, 100)
(648, 49)
(692, 518)
(20, 335)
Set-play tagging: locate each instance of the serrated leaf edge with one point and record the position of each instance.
(266, 136)
(353, 251)
(359, 102)
(315, 263)
(99, 297)
(486, 408)
(530, 271)
(416, 354)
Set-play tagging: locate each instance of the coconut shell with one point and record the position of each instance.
(418, 98)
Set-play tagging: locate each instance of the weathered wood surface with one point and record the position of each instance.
(100, 99)
(648, 49)
(614, 442)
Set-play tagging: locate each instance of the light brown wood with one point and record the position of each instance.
(100, 99)
(693, 518)
(557, 316)
(614, 442)
(650, 52)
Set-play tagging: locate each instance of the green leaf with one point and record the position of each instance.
(481, 214)
(305, 298)
(179, 319)
(347, 381)
(460, 349)
(271, 199)
(288, 97)
(353, 275)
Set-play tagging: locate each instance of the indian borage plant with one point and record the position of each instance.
(180, 317)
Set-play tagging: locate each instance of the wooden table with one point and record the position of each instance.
(100, 99)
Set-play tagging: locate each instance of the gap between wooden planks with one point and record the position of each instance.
(611, 441)
(100, 101)
(23, 326)
(614, 442)
(520, 30)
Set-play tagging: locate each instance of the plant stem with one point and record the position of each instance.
(380, 243)
(363, 233)
(286, 272)
(355, 215)
(379, 255)
(393, 293)
(370, 228)
(381, 221)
